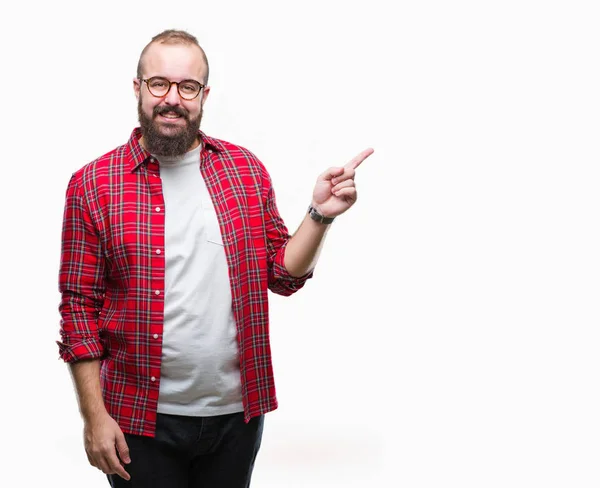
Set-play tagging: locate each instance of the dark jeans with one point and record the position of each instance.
(193, 452)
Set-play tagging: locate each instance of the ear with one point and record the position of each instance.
(205, 93)
(136, 87)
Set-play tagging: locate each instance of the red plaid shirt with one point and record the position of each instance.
(112, 272)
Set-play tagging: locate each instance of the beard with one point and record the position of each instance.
(174, 144)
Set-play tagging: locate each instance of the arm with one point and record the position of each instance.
(334, 193)
(281, 281)
(86, 381)
(81, 280)
(303, 249)
(81, 283)
(102, 436)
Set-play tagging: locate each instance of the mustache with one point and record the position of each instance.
(159, 110)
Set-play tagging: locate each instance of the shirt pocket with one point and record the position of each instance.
(211, 221)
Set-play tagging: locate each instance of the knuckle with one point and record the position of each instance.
(93, 453)
(99, 450)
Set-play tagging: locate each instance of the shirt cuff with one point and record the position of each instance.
(77, 347)
(280, 272)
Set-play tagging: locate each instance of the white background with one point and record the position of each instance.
(450, 334)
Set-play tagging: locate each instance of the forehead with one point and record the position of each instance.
(174, 61)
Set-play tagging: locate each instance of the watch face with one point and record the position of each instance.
(318, 217)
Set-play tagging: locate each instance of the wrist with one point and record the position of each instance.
(317, 216)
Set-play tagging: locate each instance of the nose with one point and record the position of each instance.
(172, 96)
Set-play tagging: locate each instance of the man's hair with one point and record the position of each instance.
(173, 36)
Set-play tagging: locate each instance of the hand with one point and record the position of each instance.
(102, 439)
(335, 191)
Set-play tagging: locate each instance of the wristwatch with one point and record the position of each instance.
(312, 211)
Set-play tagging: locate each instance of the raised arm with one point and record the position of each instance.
(334, 193)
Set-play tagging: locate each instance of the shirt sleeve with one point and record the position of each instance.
(81, 280)
(280, 281)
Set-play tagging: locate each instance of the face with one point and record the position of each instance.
(170, 123)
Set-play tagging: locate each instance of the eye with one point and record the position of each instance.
(189, 88)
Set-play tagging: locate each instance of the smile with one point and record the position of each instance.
(170, 115)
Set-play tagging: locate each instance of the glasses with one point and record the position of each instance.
(187, 89)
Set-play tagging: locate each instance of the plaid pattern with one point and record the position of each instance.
(112, 272)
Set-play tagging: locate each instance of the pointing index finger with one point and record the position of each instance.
(355, 162)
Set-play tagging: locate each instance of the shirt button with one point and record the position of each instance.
(158, 209)
(158, 251)
(155, 336)
(153, 379)
(157, 292)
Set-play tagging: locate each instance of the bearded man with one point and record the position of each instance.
(170, 244)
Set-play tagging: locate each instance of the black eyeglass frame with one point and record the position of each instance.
(171, 83)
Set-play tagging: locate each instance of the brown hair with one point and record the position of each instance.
(173, 36)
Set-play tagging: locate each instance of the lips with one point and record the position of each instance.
(171, 113)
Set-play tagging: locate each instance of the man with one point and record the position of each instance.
(169, 246)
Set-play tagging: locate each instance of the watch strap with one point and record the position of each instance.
(316, 216)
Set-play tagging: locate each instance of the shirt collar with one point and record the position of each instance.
(138, 155)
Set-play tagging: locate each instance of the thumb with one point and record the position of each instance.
(332, 172)
(123, 448)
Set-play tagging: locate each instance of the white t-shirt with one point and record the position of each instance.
(200, 373)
